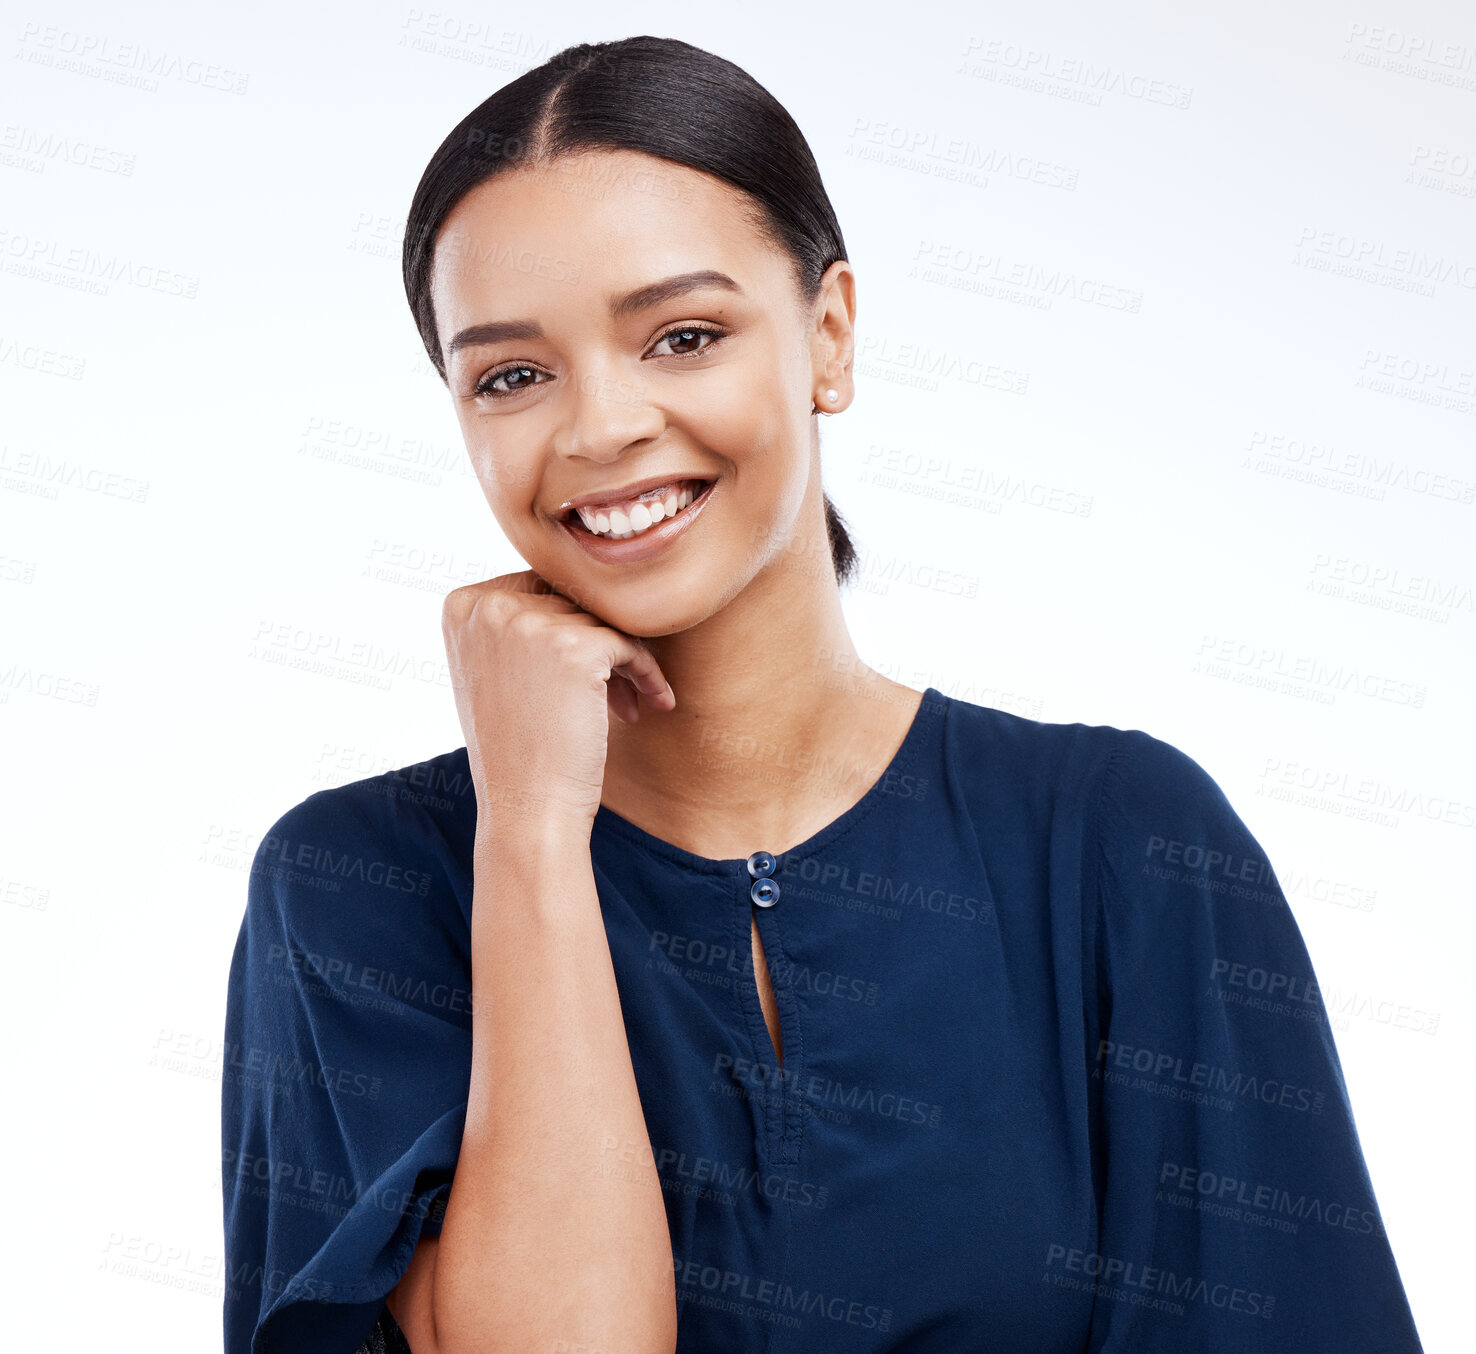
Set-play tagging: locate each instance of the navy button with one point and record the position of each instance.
(765, 892)
(760, 863)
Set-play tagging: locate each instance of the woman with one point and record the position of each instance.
(792, 1009)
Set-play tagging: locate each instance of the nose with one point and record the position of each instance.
(605, 409)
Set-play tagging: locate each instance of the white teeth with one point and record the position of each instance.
(618, 526)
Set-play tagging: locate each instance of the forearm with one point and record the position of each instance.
(555, 1234)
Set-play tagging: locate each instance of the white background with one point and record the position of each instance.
(222, 447)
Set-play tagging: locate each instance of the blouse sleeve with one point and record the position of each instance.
(347, 1064)
(1236, 1210)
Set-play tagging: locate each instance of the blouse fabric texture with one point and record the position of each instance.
(1056, 1073)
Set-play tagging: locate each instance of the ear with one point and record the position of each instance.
(833, 341)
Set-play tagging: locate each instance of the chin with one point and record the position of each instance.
(643, 622)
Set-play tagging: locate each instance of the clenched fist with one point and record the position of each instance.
(535, 678)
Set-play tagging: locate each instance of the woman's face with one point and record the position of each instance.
(598, 387)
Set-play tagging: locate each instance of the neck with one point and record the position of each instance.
(778, 722)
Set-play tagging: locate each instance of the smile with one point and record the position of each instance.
(639, 529)
(624, 518)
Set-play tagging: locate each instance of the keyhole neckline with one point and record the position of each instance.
(925, 721)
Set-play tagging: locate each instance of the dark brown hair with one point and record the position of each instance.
(659, 96)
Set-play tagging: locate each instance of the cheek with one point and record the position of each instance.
(729, 411)
(745, 419)
(504, 485)
(754, 390)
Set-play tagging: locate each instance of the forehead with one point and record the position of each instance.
(534, 241)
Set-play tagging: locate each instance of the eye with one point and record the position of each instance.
(686, 333)
(487, 385)
(523, 377)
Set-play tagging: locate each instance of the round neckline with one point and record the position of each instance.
(932, 707)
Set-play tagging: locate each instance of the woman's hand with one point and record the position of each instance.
(535, 677)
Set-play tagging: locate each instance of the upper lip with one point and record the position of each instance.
(625, 491)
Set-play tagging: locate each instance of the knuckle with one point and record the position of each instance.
(521, 622)
(461, 600)
(567, 640)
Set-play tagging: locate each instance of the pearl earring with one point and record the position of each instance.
(832, 396)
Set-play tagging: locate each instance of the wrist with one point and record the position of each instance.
(532, 845)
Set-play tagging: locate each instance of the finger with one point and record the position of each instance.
(638, 666)
(523, 580)
(628, 658)
(533, 587)
(624, 703)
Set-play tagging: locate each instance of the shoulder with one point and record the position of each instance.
(383, 844)
(1125, 790)
(1154, 798)
(1173, 864)
(1032, 760)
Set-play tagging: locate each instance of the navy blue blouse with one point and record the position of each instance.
(1056, 1076)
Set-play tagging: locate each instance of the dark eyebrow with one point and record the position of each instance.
(653, 294)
